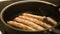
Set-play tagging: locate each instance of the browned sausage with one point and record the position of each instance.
(34, 16)
(29, 23)
(36, 21)
(52, 21)
(20, 25)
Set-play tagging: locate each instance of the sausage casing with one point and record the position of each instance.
(34, 16)
(51, 21)
(20, 25)
(36, 21)
(29, 23)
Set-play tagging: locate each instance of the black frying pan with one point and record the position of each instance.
(14, 9)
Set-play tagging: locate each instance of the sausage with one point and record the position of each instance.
(42, 18)
(36, 21)
(34, 16)
(20, 25)
(51, 21)
(29, 23)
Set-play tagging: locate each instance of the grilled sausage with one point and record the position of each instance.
(20, 25)
(29, 23)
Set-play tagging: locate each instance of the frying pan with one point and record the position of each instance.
(17, 8)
